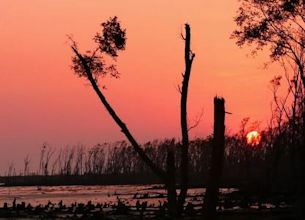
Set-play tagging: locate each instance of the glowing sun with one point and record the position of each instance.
(253, 138)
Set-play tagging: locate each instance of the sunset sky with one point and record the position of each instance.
(43, 101)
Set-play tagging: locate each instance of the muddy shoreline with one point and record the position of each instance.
(134, 202)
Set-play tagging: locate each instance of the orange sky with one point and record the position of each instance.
(42, 101)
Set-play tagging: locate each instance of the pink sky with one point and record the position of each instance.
(42, 101)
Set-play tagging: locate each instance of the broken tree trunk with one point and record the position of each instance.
(211, 196)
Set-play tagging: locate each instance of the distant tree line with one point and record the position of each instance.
(262, 165)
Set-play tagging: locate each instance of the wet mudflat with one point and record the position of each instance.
(130, 202)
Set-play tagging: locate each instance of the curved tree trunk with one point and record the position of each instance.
(158, 171)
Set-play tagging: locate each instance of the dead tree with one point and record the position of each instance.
(57, 163)
(188, 59)
(11, 171)
(41, 161)
(26, 162)
(79, 160)
(48, 155)
(217, 159)
(68, 156)
(92, 66)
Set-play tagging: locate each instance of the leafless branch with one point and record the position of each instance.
(197, 121)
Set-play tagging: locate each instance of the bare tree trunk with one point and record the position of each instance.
(301, 173)
(211, 197)
(41, 162)
(48, 156)
(188, 57)
(293, 140)
(26, 165)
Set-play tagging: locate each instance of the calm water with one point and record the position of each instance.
(97, 194)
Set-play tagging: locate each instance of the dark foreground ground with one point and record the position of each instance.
(237, 206)
(133, 214)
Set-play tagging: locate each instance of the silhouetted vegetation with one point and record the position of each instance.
(245, 166)
(280, 26)
(269, 167)
(92, 67)
(250, 168)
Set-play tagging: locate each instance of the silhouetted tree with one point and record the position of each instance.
(79, 160)
(287, 111)
(92, 66)
(67, 160)
(188, 59)
(56, 165)
(211, 198)
(26, 162)
(49, 153)
(11, 171)
(279, 25)
(41, 161)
